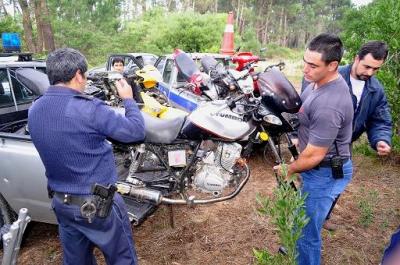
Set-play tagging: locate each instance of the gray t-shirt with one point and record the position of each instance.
(327, 114)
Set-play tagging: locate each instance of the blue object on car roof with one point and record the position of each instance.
(11, 42)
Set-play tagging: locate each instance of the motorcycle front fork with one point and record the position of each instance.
(278, 157)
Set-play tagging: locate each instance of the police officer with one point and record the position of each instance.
(69, 131)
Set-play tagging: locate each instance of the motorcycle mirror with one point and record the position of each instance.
(237, 49)
(264, 49)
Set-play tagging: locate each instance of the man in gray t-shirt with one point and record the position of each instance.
(325, 116)
(325, 122)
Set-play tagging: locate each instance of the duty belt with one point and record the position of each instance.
(78, 200)
(327, 163)
(87, 203)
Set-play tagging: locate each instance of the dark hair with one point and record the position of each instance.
(378, 50)
(329, 45)
(62, 65)
(118, 60)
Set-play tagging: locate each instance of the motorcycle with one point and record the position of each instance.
(194, 158)
(198, 158)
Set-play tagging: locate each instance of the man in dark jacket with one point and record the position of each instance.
(372, 113)
(371, 109)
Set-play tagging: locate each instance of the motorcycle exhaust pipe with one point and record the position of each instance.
(140, 193)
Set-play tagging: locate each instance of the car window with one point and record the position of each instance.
(167, 71)
(41, 69)
(149, 59)
(5, 89)
(22, 94)
(180, 78)
(160, 64)
(130, 64)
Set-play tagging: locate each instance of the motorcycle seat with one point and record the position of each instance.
(163, 131)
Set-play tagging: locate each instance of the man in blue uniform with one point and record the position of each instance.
(324, 140)
(69, 131)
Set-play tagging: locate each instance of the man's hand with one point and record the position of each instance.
(124, 90)
(295, 141)
(382, 148)
(282, 171)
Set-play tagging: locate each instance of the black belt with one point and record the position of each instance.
(78, 200)
(328, 163)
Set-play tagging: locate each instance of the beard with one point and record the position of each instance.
(363, 77)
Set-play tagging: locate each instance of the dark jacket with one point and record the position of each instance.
(373, 113)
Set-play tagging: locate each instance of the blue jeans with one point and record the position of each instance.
(112, 235)
(321, 189)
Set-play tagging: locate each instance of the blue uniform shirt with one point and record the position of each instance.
(69, 130)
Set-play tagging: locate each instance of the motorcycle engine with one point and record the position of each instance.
(215, 171)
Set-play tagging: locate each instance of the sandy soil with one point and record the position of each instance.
(226, 233)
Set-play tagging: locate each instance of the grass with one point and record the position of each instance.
(367, 204)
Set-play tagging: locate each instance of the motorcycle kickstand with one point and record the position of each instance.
(171, 216)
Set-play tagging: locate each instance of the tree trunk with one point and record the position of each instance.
(47, 30)
(281, 26)
(143, 4)
(39, 26)
(266, 29)
(3, 7)
(27, 24)
(285, 35)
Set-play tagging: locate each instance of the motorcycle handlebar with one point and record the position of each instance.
(232, 102)
(280, 65)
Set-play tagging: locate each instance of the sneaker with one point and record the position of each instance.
(330, 226)
(282, 250)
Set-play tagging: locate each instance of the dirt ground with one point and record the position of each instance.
(226, 233)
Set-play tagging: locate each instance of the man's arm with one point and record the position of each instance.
(379, 125)
(128, 128)
(310, 157)
(124, 128)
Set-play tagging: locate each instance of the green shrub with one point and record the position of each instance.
(287, 214)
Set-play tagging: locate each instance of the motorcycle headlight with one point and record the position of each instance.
(272, 119)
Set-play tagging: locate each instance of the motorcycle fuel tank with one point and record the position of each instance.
(216, 118)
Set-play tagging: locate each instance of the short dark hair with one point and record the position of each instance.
(62, 65)
(378, 49)
(329, 45)
(118, 60)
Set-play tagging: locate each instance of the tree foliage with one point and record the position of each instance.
(378, 21)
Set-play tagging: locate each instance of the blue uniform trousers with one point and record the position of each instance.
(112, 235)
(321, 189)
(391, 249)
